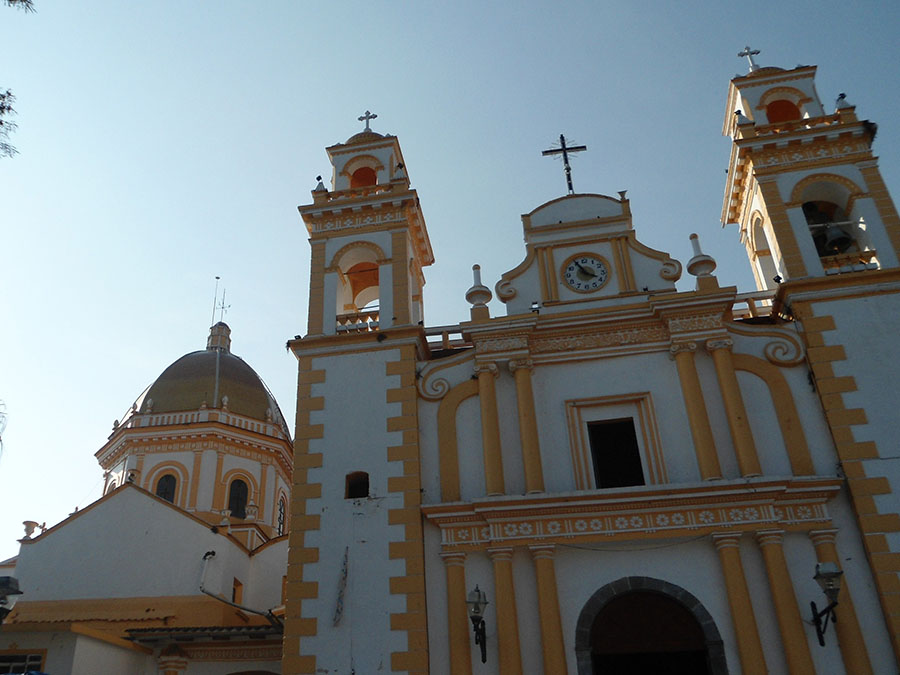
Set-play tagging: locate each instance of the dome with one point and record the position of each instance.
(365, 136)
(213, 378)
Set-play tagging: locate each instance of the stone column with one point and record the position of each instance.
(749, 646)
(698, 418)
(490, 428)
(793, 636)
(507, 620)
(548, 607)
(849, 635)
(528, 431)
(741, 435)
(457, 614)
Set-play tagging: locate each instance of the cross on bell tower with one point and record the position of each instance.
(365, 118)
(749, 53)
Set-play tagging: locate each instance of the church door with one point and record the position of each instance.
(647, 632)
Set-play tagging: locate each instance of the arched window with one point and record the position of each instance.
(165, 487)
(282, 510)
(237, 498)
(364, 176)
(356, 485)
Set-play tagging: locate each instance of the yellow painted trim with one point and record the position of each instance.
(508, 649)
(795, 268)
(552, 644)
(793, 633)
(457, 614)
(490, 429)
(695, 405)
(233, 474)
(785, 410)
(528, 430)
(885, 205)
(400, 278)
(195, 479)
(448, 452)
(181, 473)
(801, 185)
(371, 246)
(749, 646)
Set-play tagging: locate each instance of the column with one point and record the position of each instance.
(528, 431)
(749, 646)
(507, 620)
(698, 418)
(849, 635)
(490, 428)
(793, 635)
(741, 435)
(548, 607)
(457, 614)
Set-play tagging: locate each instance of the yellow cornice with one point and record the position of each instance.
(387, 338)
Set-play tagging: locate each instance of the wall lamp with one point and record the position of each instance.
(828, 576)
(477, 601)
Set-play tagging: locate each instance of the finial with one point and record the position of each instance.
(750, 53)
(365, 118)
(320, 186)
(841, 102)
(478, 296)
(702, 267)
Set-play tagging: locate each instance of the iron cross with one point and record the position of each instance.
(365, 118)
(749, 53)
(564, 150)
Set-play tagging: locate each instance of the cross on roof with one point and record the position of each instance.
(365, 118)
(749, 53)
(564, 150)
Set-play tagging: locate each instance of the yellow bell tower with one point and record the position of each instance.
(368, 238)
(803, 184)
(355, 591)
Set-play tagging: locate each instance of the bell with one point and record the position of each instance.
(836, 240)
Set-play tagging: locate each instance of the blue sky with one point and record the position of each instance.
(164, 143)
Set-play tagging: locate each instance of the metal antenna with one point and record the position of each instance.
(564, 150)
(215, 299)
(222, 307)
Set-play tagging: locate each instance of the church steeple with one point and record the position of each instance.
(803, 184)
(368, 238)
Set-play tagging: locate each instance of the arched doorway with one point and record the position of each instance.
(642, 625)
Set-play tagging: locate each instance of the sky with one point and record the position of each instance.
(162, 144)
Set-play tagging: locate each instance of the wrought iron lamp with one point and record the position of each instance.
(828, 576)
(477, 601)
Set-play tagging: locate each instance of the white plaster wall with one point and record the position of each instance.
(510, 440)
(355, 439)
(267, 567)
(470, 449)
(92, 657)
(770, 447)
(128, 545)
(206, 487)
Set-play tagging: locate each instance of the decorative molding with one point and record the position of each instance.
(678, 347)
(486, 367)
(670, 270)
(785, 349)
(501, 344)
(608, 338)
(520, 364)
(693, 322)
(433, 388)
(719, 343)
(809, 153)
(358, 221)
(233, 653)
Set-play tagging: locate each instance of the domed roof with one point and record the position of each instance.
(365, 136)
(213, 378)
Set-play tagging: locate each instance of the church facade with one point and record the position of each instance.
(636, 479)
(610, 476)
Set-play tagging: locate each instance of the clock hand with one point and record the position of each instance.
(586, 271)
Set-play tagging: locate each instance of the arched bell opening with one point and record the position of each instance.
(767, 268)
(831, 230)
(644, 625)
(359, 286)
(363, 278)
(783, 110)
(365, 176)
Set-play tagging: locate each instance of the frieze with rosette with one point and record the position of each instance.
(356, 221)
(501, 344)
(694, 322)
(690, 516)
(795, 155)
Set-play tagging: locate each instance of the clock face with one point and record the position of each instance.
(585, 272)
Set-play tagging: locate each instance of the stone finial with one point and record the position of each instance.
(148, 405)
(224, 403)
(702, 267)
(320, 186)
(30, 526)
(478, 296)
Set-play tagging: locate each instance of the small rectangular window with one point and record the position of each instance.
(615, 453)
(237, 592)
(20, 663)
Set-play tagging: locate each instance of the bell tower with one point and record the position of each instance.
(355, 590)
(803, 185)
(368, 239)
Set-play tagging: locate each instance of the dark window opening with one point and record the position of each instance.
(356, 485)
(20, 663)
(165, 488)
(615, 452)
(237, 498)
(282, 508)
(237, 591)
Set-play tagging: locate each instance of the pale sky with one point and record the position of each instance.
(164, 143)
